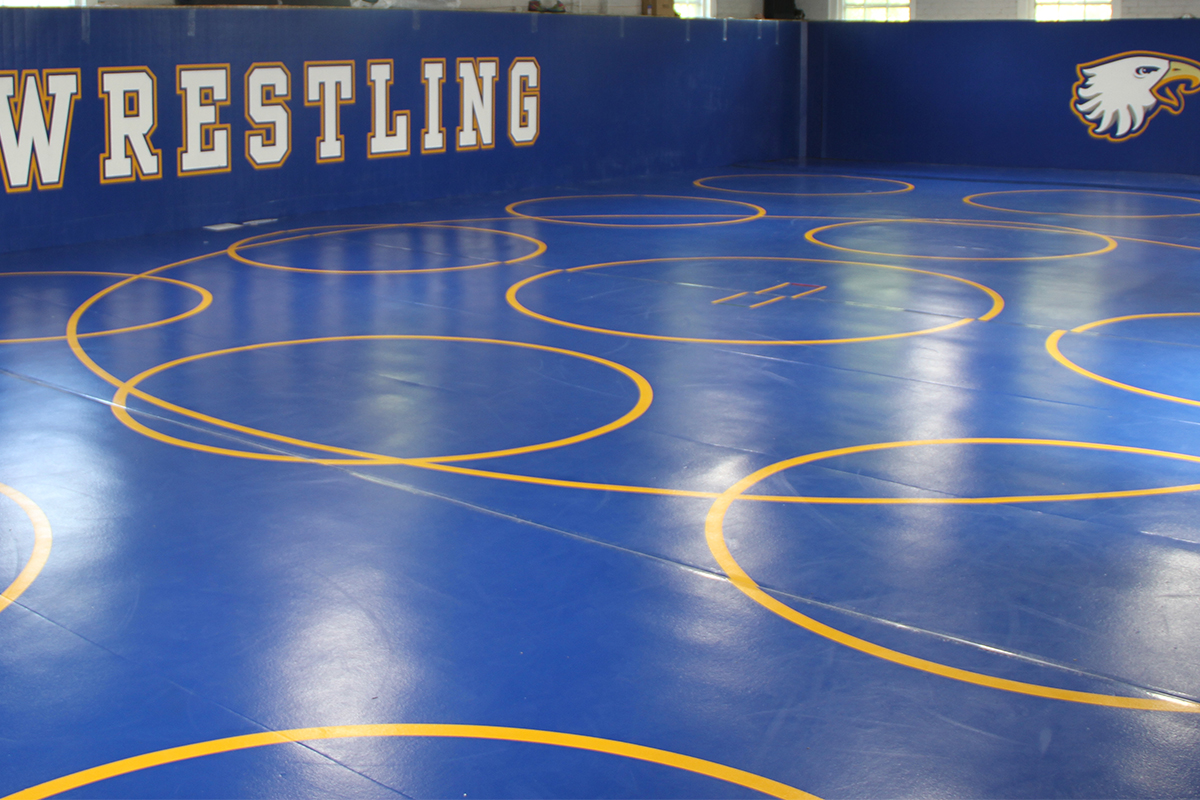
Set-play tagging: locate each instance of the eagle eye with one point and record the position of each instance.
(1145, 70)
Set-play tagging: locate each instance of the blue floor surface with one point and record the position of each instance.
(830, 481)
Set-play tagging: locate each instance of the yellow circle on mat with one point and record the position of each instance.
(129, 387)
(42, 540)
(1056, 354)
(756, 212)
(905, 186)
(714, 531)
(1109, 242)
(973, 200)
(576, 741)
(206, 299)
(996, 307)
(234, 250)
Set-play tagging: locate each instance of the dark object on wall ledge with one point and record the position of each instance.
(781, 9)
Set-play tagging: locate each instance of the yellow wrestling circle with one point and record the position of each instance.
(42, 541)
(1110, 243)
(905, 186)
(714, 531)
(756, 212)
(129, 387)
(997, 304)
(1056, 354)
(973, 200)
(206, 299)
(575, 741)
(234, 250)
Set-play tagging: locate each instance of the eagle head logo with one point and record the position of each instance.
(1116, 97)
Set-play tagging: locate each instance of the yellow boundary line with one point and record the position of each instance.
(757, 211)
(206, 299)
(970, 200)
(1052, 348)
(768, 302)
(715, 537)
(120, 404)
(234, 250)
(511, 295)
(42, 541)
(527, 735)
(1110, 242)
(907, 187)
(714, 521)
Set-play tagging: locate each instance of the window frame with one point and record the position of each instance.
(844, 7)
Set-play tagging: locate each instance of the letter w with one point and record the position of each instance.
(35, 126)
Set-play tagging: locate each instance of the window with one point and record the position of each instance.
(875, 10)
(689, 9)
(1072, 11)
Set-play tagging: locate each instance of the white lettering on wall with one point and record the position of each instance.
(131, 114)
(330, 85)
(268, 88)
(204, 89)
(477, 106)
(524, 101)
(32, 147)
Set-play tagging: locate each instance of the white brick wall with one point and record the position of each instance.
(1159, 8)
(966, 9)
(739, 9)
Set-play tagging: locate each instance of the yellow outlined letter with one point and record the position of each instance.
(268, 88)
(130, 97)
(477, 103)
(524, 101)
(433, 75)
(203, 89)
(389, 129)
(330, 85)
(35, 127)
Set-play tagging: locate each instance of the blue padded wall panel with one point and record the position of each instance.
(618, 97)
(987, 94)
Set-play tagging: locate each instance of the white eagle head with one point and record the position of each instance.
(1117, 96)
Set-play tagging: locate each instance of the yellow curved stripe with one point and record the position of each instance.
(206, 299)
(848, 501)
(1055, 353)
(511, 296)
(120, 400)
(905, 185)
(42, 540)
(72, 333)
(575, 741)
(1110, 242)
(971, 200)
(715, 537)
(757, 212)
(234, 250)
(1102, 322)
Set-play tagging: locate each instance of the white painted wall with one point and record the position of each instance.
(1009, 9)
(1159, 8)
(965, 9)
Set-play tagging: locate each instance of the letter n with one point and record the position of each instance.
(477, 103)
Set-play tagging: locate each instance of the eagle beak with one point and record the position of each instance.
(1177, 71)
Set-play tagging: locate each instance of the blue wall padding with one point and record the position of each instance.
(619, 97)
(986, 94)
